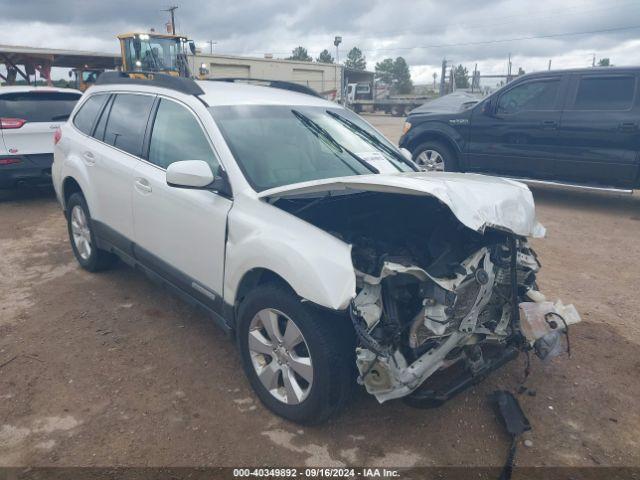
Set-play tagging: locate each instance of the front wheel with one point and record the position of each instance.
(298, 359)
(435, 157)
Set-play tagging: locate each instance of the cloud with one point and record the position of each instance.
(422, 31)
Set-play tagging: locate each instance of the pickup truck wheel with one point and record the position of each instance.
(297, 361)
(83, 240)
(397, 110)
(435, 157)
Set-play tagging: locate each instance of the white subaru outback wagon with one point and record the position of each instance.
(301, 230)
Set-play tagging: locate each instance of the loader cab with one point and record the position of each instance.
(152, 52)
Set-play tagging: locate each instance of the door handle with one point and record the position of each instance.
(628, 126)
(142, 185)
(551, 124)
(89, 158)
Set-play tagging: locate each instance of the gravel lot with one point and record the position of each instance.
(110, 369)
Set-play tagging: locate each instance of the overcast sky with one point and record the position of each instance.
(422, 31)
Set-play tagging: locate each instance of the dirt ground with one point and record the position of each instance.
(110, 369)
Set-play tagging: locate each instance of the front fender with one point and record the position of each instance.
(436, 129)
(315, 264)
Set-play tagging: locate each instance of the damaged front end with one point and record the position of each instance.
(446, 286)
(459, 314)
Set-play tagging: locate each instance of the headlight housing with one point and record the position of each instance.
(406, 128)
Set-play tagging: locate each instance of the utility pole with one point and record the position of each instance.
(211, 44)
(509, 69)
(549, 65)
(435, 75)
(593, 60)
(443, 74)
(337, 40)
(172, 10)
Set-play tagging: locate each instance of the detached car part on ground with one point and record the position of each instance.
(310, 237)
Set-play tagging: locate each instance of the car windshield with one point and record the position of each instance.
(282, 145)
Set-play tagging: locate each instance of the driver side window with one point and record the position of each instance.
(535, 95)
(176, 136)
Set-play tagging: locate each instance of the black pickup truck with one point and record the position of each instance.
(569, 126)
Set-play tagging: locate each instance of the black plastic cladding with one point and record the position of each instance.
(180, 84)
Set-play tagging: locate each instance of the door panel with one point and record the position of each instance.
(112, 169)
(519, 134)
(180, 232)
(600, 131)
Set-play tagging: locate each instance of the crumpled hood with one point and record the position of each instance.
(478, 201)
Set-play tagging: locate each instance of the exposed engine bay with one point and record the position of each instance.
(433, 294)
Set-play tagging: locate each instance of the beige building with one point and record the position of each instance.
(322, 77)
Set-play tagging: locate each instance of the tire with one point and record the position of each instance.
(423, 156)
(82, 237)
(325, 341)
(397, 110)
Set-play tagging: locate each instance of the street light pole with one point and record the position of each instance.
(337, 41)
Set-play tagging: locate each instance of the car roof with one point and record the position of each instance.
(30, 88)
(218, 93)
(582, 70)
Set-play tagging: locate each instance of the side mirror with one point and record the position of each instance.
(407, 154)
(189, 174)
(487, 108)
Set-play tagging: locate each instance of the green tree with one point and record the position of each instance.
(325, 57)
(356, 60)
(385, 71)
(521, 71)
(402, 76)
(461, 75)
(604, 62)
(301, 54)
(395, 73)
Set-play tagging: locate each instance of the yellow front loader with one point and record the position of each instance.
(155, 52)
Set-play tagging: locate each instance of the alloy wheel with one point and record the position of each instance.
(80, 232)
(280, 356)
(430, 160)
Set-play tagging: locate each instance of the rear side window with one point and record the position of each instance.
(605, 93)
(35, 106)
(127, 122)
(176, 136)
(86, 116)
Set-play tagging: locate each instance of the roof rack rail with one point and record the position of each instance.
(180, 84)
(282, 84)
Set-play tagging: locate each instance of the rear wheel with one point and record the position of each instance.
(297, 358)
(82, 237)
(435, 156)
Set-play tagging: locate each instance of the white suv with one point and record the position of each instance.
(302, 230)
(29, 117)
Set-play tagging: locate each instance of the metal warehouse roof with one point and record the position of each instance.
(58, 57)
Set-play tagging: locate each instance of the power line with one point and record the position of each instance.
(484, 42)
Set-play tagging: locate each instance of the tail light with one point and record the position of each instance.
(57, 136)
(11, 123)
(9, 161)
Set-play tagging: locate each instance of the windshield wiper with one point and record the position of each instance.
(321, 132)
(369, 137)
